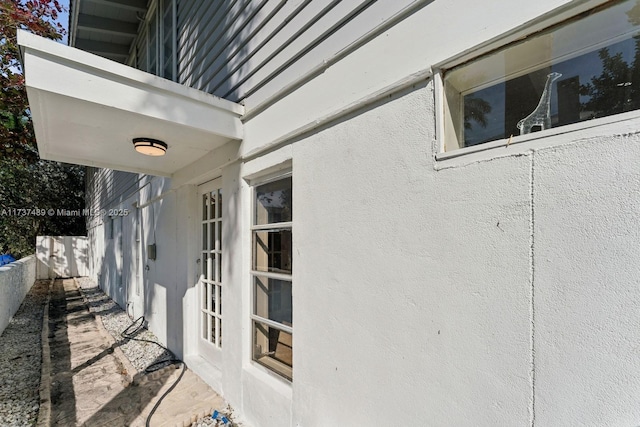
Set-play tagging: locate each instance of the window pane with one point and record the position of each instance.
(167, 70)
(583, 70)
(167, 22)
(141, 51)
(220, 203)
(204, 237)
(274, 202)
(272, 300)
(272, 251)
(220, 300)
(204, 206)
(273, 349)
(153, 43)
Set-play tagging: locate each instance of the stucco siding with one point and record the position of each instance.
(496, 288)
(411, 286)
(587, 211)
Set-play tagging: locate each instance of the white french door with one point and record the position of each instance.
(210, 268)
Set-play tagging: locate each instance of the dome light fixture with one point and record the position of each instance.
(150, 146)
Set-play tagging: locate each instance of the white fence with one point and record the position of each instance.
(16, 280)
(61, 256)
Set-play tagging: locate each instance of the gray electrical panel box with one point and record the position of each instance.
(151, 252)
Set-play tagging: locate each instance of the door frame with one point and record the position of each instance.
(208, 262)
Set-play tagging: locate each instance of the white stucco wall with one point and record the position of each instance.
(16, 280)
(400, 271)
(587, 210)
(489, 291)
(497, 288)
(493, 289)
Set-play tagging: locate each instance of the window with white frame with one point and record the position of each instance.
(271, 276)
(167, 34)
(155, 46)
(582, 69)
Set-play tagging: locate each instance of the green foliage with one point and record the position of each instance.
(37, 16)
(27, 191)
(27, 183)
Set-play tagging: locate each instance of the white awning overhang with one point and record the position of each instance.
(87, 109)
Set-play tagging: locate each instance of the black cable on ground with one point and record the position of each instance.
(129, 333)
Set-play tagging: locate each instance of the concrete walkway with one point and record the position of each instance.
(87, 380)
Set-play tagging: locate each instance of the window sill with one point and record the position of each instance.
(274, 366)
(276, 382)
(623, 123)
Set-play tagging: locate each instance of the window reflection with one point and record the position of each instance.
(587, 69)
(273, 202)
(273, 300)
(272, 251)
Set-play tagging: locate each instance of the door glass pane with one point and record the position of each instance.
(203, 326)
(212, 230)
(211, 268)
(204, 237)
(272, 300)
(213, 298)
(273, 202)
(220, 203)
(212, 210)
(204, 206)
(203, 300)
(272, 251)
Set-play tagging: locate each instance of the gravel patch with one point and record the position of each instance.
(116, 321)
(21, 359)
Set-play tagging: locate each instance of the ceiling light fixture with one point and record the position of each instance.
(150, 146)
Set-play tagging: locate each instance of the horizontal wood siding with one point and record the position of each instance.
(107, 189)
(238, 49)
